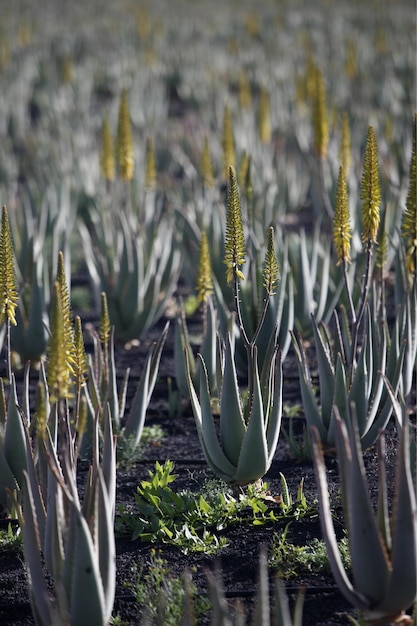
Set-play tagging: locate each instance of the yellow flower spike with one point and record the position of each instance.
(265, 132)
(206, 166)
(370, 190)
(8, 292)
(345, 144)
(351, 62)
(124, 140)
(80, 360)
(252, 24)
(67, 70)
(342, 233)
(143, 22)
(245, 97)
(66, 312)
(204, 280)
(4, 53)
(270, 269)
(107, 161)
(409, 217)
(320, 118)
(150, 171)
(228, 143)
(235, 250)
(57, 370)
(105, 326)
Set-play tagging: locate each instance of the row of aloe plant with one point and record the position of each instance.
(259, 420)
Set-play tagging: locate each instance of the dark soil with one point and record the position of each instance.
(239, 560)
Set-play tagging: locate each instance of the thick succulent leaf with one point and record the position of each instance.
(402, 587)
(35, 335)
(253, 458)
(109, 460)
(14, 437)
(268, 368)
(369, 561)
(305, 281)
(209, 346)
(136, 419)
(311, 410)
(275, 410)
(340, 400)
(378, 383)
(381, 420)
(286, 321)
(87, 602)
(112, 395)
(7, 480)
(41, 604)
(232, 425)
(105, 545)
(206, 429)
(382, 514)
(182, 344)
(326, 374)
(360, 388)
(329, 536)
(324, 283)
(53, 547)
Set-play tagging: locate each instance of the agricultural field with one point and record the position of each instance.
(208, 313)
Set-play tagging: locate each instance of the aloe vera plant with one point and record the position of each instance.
(383, 548)
(137, 267)
(360, 384)
(102, 390)
(77, 539)
(249, 429)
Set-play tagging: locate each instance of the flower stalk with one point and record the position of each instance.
(409, 217)
(125, 157)
(342, 233)
(8, 291)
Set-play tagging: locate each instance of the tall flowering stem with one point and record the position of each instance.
(321, 131)
(206, 166)
(228, 142)
(150, 169)
(235, 257)
(124, 140)
(342, 233)
(8, 292)
(345, 143)
(371, 199)
(80, 371)
(204, 279)
(58, 358)
(409, 218)
(370, 195)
